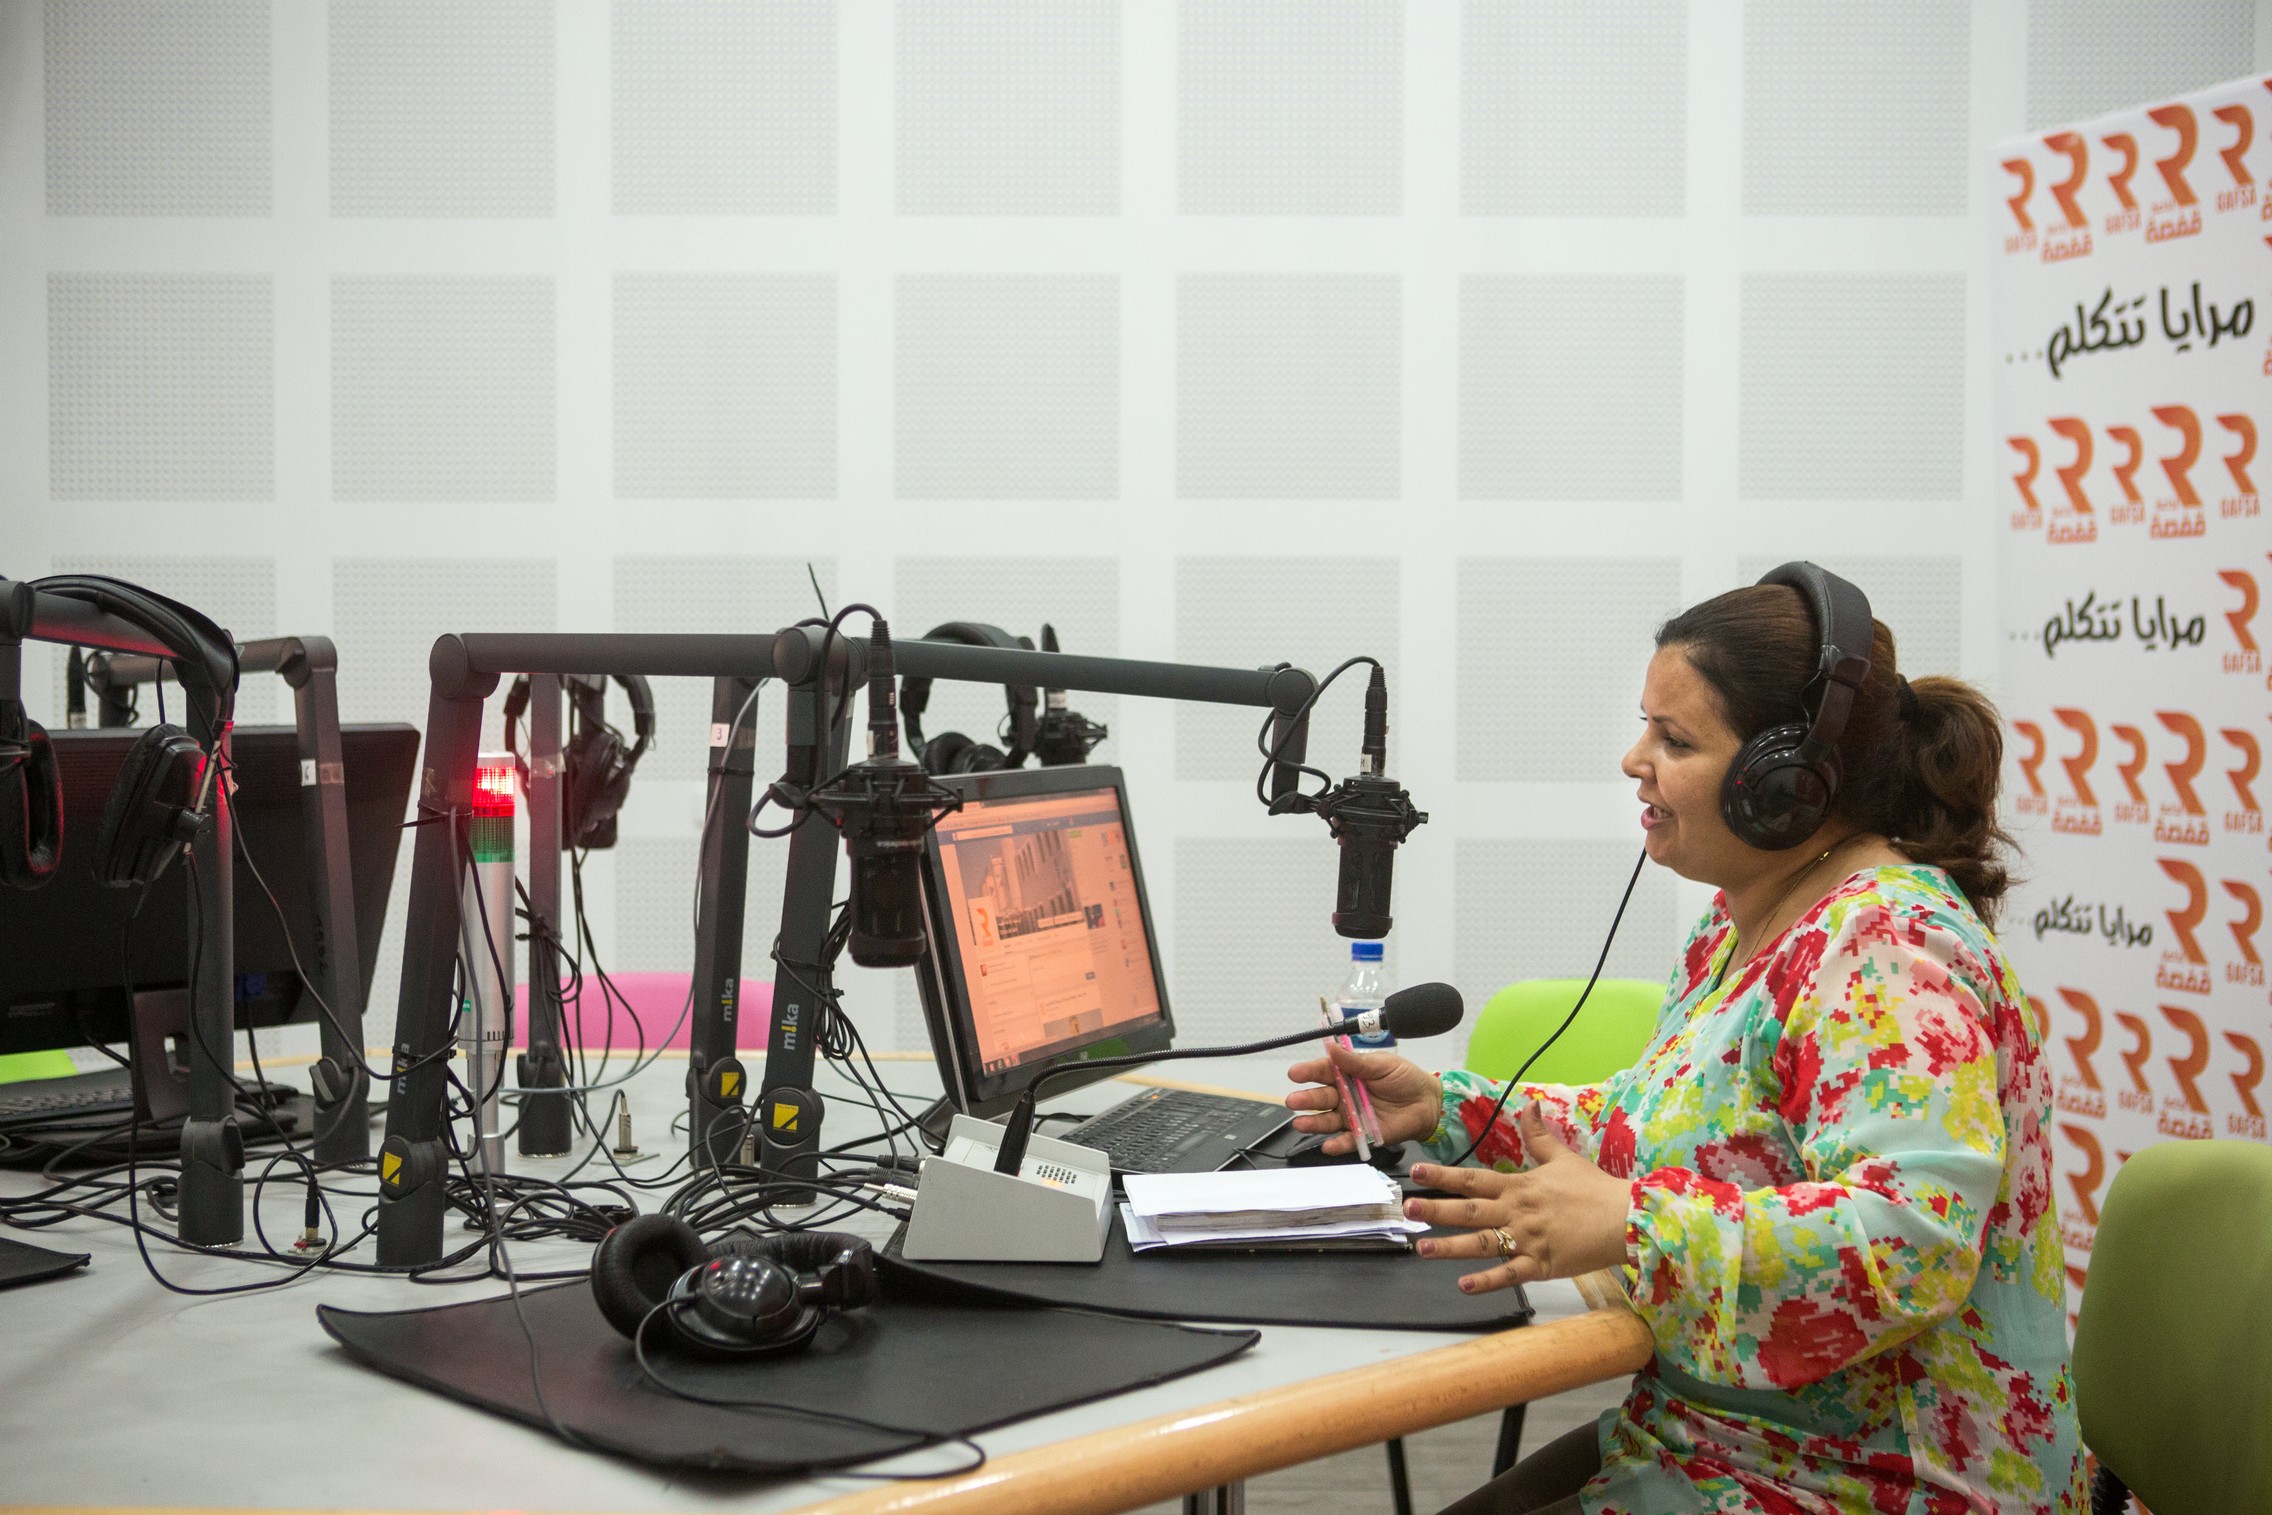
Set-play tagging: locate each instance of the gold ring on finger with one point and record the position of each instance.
(1506, 1242)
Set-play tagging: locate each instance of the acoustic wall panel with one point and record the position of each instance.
(725, 386)
(724, 110)
(1008, 386)
(1536, 703)
(157, 107)
(1008, 107)
(1079, 596)
(1570, 387)
(654, 910)
(237, 592)
(1254, 940)
(1289, 386)
(1920, 599)
(1807, 431)
(750, 596)
(160, 386)
(1856, 109)
(441, 110)
(2088, 57)
(1310, 612)
(441, 387)
(1532, 909)
(1573, 107)
(1291, 107)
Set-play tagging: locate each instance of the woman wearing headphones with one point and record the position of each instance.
(1827, 1182)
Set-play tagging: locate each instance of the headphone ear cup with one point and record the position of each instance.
(31, 815)
(943, 752)
(1770, 799)
(597, 780)
(979, 757)
(845, 1264)
(635, 1265)
(139, 836)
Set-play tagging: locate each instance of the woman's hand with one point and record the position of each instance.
(1407, 1099)
(1560, 1218)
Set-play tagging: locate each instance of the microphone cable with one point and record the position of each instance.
(1567, 1021)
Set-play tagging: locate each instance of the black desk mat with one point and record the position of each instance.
(22, 1263)
(935, 1367)
(1382, 1291)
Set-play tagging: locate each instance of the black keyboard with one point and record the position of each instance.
(1178, 1130)
(106, 1093)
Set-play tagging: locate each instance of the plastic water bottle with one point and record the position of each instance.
(1365, 989)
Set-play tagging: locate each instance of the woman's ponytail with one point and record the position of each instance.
(1937, 802)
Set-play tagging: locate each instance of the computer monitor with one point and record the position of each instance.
(63, 980)
(1042, 949)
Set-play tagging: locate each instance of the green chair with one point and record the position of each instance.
(1608, 1035)
(2173, 1351)
(17, 1067)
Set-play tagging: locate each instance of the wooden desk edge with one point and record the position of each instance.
(1131, 1466)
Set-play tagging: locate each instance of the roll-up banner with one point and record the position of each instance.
(2133, 360)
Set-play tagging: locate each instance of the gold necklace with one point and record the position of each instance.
(1797, 879)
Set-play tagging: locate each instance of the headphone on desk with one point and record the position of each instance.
(748, 1296)
(951, 751)
(1780, 787)
(598, 763)
(164, 796)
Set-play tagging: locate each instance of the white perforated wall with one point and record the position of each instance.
(1569, 387)
(441, 110)
(157, 109)
(1291, 107)
(1856, 109)
(725, 386)
(1008, 386)
(1479, 335)
(1540, 136)
(2088, 57)
(160, 386)
(1808, 430)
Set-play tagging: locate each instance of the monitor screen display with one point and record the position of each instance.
(1047, 924)
(1041, 940)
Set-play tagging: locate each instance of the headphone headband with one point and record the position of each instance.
(1844, 631)
(1780, 788)
(1024, 703)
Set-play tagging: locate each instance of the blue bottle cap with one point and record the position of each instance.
(1364, 952)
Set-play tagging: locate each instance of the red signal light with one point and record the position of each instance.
(495, 785)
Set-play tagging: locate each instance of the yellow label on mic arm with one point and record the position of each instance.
(784, 1117)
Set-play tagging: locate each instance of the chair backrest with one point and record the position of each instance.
(2173, 1351)
(1609, 1034)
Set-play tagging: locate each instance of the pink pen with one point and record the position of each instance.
(1367, 1126)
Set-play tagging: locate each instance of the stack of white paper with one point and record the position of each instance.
(1336, 1206)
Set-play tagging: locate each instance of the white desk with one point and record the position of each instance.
(114, 1392)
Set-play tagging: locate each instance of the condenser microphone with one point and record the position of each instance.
(1422, 1010)
(1064, 736)
(1369, 815)
(883, 805)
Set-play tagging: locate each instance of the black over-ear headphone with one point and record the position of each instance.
(31, 800)
(1780, 788)
(164, 794)
(598, 763)
(750, 1296)
(951, 751)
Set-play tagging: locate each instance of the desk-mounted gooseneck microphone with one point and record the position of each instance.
(1422, 1010)
(1002, 1194)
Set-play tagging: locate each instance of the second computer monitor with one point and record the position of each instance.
(1042, 949)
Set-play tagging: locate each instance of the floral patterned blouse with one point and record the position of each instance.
(1842, 1231)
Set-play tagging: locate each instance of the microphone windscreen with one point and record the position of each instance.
(1422, 1010)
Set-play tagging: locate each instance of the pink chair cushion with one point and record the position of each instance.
(657, 999)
